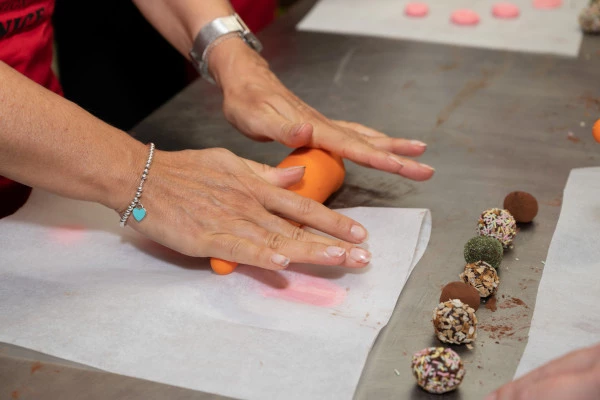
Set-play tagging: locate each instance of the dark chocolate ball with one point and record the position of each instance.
(484, 248)
(522, 205)
(462, 291)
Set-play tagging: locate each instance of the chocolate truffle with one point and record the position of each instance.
(484, 248)
(482, 276)
(522, 206)
(455, 322)
(499, 224)
(462, 291)
(589, 18)
(438, 370)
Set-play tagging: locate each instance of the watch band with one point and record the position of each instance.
(209, 36)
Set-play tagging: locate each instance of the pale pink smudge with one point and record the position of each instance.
(67, 234)
(309, 290)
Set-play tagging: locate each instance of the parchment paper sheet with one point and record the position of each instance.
(566, 315)
(75, 285)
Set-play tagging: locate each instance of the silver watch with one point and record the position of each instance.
(209, 35)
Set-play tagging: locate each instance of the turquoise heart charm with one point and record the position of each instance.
(139, 213)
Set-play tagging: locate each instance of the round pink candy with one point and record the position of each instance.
(465, 17)
(505, 10)
(543, 4)
(416, 9)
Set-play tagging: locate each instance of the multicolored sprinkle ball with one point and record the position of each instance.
(437, 369)
(498, 224)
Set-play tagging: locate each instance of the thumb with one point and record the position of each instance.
(281, 177)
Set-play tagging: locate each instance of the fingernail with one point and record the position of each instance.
(427, 166)
(396, 160)
(291, 170)
(296, 130)
(418, 143)
(358, 232)
(334, 251)
(360, 255)
(280, 259)
(491, 396)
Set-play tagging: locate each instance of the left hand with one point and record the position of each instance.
(575, 376)
(262, 108)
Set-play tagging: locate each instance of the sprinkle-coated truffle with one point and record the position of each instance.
(438, 370)
(499, 224)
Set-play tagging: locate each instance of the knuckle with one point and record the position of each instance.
(275, 240)
(305, 206)
(297, 233)
(235, 247)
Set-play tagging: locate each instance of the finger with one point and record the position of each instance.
(574, 362)
(356, 257)
(583, 385)
(281, 177)
(379, 140)
(311, 213)
(366, 155)
(363, 130)
(404, 147)
(244, 251)
(300, 248)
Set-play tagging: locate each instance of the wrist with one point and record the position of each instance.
(118, 183)
(233, 59)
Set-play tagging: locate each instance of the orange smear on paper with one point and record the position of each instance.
(67, 234)
(309, 290)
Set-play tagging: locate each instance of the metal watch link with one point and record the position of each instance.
(209, 35)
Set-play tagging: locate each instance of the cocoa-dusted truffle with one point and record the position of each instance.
(462, 291)
(499, 224)
(522, 205)
(455, 322)
(484, 248)
(482, 276)
(437, 369)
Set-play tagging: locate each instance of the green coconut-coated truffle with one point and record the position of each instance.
(484, 248)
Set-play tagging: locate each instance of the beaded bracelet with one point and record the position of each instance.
(135, 207)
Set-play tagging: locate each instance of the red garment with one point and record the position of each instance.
(25, 45)
(257, 14)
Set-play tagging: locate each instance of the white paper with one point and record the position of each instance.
(554, 31)
(75, 285)
(566, 315)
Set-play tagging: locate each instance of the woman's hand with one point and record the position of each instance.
(211, 203)
(575, 376)
(258, 105)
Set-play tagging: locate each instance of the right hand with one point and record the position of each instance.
(211, 203)
(574, 376)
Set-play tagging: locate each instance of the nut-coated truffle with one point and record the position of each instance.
(455, 322)
(482, 277)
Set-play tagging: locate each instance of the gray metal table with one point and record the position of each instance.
(494, 121)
